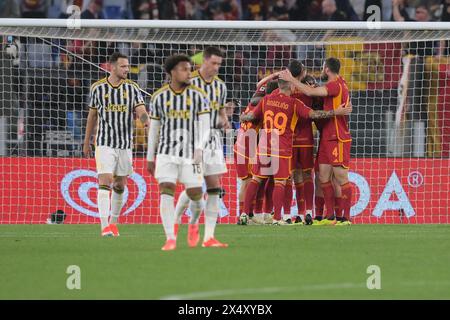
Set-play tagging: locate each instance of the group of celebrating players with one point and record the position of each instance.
(274, 147)
(275, 144)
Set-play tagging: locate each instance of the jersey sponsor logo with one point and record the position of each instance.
(83, 202)
(116, 108)
(181, 114)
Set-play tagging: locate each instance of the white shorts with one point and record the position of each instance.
(118, 162)
(175, 169)
(213, 162)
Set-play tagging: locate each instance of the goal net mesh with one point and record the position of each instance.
(400, 91)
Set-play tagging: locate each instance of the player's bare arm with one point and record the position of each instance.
(153, 137)
(305, 89)
(248, 117)
(224, 123)
(268, 78)
(91, 121)
(342, 110)
(142, 115)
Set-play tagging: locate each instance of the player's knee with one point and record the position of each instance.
(167, 189)
(195, 194)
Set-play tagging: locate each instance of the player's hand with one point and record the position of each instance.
(151, 167)
(87, 150)
(286, 75)
(198, 156)
(227, 125)
(224, 123)
(343, 109)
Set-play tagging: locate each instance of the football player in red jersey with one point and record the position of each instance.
(334, 154)
(279, 113)
(244, 151)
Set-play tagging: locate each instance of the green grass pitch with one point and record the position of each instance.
(262, 262)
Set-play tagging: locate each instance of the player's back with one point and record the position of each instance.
(279, 121)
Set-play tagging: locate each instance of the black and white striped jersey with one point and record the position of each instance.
(179, 115)
(115, 108)
(216, 91)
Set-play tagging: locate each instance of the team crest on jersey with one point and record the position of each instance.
(106, 96)
(125, 94)
(168, 104)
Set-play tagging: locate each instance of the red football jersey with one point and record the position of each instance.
(337, 127)
(244, 144)
(303, 135)
(279, 115)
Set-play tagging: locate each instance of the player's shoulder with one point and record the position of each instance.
(161, 90)
(131, 82)
(198, 90)
(217, 78)
(98, 83)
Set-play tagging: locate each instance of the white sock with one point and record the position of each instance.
(308, 212)
(182, 205)
(211, 214)
(166, 211)
(196, 208)
(286, 216)
(103, 206)
(116, 206)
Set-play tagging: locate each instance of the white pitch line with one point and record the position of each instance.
(311, 287)
(229, 292)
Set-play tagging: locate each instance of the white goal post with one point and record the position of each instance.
(398, 74)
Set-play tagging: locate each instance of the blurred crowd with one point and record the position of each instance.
(293, 10)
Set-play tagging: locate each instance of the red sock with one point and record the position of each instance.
(320, 203)
(278, 200)
(250, 195)
(338, 207)
(259, 198)
(287, 197)
(309, 193)
(346, 199)
(241, 207)
(300, 195)
(268, 203)
(328, 194)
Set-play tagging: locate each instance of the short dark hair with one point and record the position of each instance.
(296, 68)
(424, 6)
(173, 61)
(212, 51)
(116, 56)
(333, 64)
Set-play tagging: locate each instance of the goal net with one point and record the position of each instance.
(398, 75)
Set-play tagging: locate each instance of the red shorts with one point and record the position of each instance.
(335, 153)
(279, 171)
(243, 167)
(302, 158)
